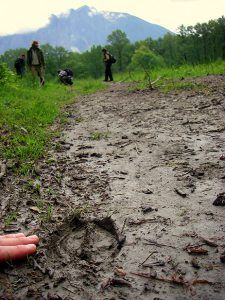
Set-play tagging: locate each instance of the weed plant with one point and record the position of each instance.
(97, 135)
(11, 217)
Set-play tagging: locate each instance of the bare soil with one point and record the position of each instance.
(123, 201)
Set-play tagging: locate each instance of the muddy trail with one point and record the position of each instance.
(123, 201)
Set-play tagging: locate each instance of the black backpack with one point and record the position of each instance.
(69, 72)
(112, 59)
(17, 63)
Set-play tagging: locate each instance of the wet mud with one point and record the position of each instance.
(128, 202)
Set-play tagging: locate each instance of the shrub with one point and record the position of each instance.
(7, 77)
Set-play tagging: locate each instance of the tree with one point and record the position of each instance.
(119, 44)
(55, 59)
(146, 59)
(94, 61)
(168, 48)
(11, 55)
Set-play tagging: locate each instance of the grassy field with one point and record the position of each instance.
(26, 113)
(167, 79)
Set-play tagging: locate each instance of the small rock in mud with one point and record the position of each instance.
(180, 193)
(195, 263)
(94, 154)
(54, 297)
(220, 200)
(31, 292)
(59, 280)
(147, 191)
(222, 257)
(147, 209)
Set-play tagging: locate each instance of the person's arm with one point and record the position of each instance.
(42, 59)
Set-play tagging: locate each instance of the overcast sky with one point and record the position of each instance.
(25, 15)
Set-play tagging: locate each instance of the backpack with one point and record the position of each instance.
(69, 72)
(112, 59)
(62, 73)
(17, 63)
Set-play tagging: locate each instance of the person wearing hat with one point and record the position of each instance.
(108, 63)
(36, 62)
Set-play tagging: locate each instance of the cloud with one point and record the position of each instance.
(168, 13)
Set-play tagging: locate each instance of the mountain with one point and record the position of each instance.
(82, 28)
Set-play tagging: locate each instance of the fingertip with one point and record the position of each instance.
(33, 239)
(31, 248)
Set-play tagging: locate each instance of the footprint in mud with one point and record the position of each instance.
(94, 241)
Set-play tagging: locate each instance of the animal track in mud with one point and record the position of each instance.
(95, 241)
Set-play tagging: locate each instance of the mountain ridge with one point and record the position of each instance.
(82, 28)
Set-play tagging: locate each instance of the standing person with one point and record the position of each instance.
(108, 63)
(36, 62)
(20, 65)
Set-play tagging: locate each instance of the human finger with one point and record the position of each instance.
(22, 240)
(16, 252)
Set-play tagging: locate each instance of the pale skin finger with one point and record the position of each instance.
(8, 253)
(21, 240)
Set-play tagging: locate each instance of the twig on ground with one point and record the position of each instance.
(173, 279)
(208, 242)
(69, 290)
(159, 263)
(147, 257)
(151, 242)
(124, 224)
(196, 249)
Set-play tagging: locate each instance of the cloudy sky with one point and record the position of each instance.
(25, 15)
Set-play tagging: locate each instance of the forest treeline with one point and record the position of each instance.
(202, 43)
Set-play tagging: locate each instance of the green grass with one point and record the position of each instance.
(26, 114)
(10, 218)
(97, 135)
(170, 77)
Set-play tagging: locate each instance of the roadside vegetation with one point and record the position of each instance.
(172, 78)
(26, 114)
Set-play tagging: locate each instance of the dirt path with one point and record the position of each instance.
(125, 198)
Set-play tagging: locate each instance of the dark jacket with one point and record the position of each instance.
(39, 54)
